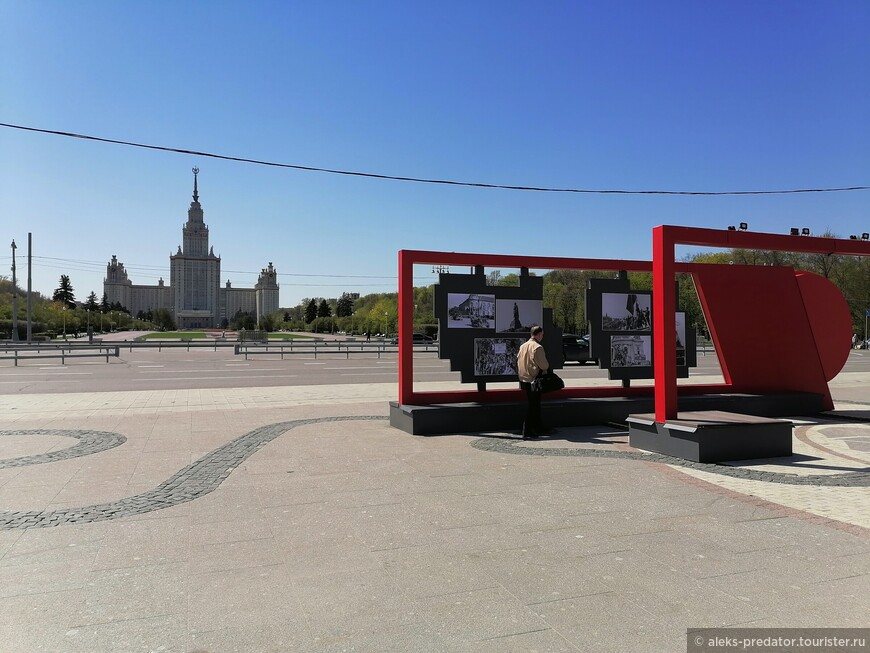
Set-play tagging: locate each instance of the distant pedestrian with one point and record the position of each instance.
(854, 340)
(368, 336)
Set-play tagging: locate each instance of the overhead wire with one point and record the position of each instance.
(423, 180)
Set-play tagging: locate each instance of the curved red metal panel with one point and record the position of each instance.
(829, 319)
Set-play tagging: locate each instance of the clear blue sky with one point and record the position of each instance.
(694, 96)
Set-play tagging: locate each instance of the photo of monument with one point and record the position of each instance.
(630, 351)
(470, 311)
(496, 356)
(626, 312)
(517, 315)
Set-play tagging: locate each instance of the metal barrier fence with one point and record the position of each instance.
(314, 347)
(62, 352)
(317, 348)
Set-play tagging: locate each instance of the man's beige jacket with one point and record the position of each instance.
(531, 360)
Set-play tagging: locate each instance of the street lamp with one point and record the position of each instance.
(64, 321)
(14, 297)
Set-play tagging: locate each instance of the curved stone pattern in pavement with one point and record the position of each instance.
(511, 445)
(195, 480)
(89, 442)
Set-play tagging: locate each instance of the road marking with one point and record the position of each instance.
(354, 368)
(314, 363)
(178, 371)
(149, 366)
(52, 381)
(216, 378)
(38, 374)
(237, 364)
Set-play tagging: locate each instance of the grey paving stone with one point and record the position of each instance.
(341, 604)
(247, 597)
(468, 617)
(285, 635)
(164, 633)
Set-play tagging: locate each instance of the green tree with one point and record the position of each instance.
(311, 311)
(104, 304)
(323, 309)
(164, 320)
(64, 292)
(91, 304)
(344, 307)
(267, 323)
(243, 320)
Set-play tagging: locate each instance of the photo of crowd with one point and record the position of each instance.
(496, 356)
(626, 312)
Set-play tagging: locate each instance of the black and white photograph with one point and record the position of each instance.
(496, 356)
(518, 315)
(470, 311)
(626, 311)
(681, 338)
(630, 351)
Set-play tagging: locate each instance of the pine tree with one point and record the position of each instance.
(64, 292)
(323, 310)
(344, 307)
(104, 304)
(91, 303)
(310, 311)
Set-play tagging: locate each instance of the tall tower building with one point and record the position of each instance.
(267, 292)
(193, 296)
(195, 272)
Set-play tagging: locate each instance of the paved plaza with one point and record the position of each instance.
(294, 518)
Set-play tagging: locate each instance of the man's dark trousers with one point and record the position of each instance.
(533, 424)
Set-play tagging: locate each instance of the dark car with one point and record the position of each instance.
(576, 348)
(417, 339)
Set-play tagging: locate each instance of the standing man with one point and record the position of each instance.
(531, 363)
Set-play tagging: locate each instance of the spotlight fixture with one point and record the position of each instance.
(805, 231)
(865, 236)
(731, 227)
(743, 226)
(795, 231)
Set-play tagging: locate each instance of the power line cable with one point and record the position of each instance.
(142, 266)
(420, 180)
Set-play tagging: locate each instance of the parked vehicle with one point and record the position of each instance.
(418, 339)
(576, 348)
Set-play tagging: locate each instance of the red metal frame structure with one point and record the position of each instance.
(407, 260)
(822, 328)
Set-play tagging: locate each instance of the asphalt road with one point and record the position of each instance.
(149, 369)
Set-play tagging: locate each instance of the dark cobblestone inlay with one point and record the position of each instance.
(89, 442)
(195, 480)
(503, 444)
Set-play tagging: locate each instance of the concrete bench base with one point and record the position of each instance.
(443, 419)
(712, 436)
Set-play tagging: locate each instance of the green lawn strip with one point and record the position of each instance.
(174, 335)
(202, 335)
